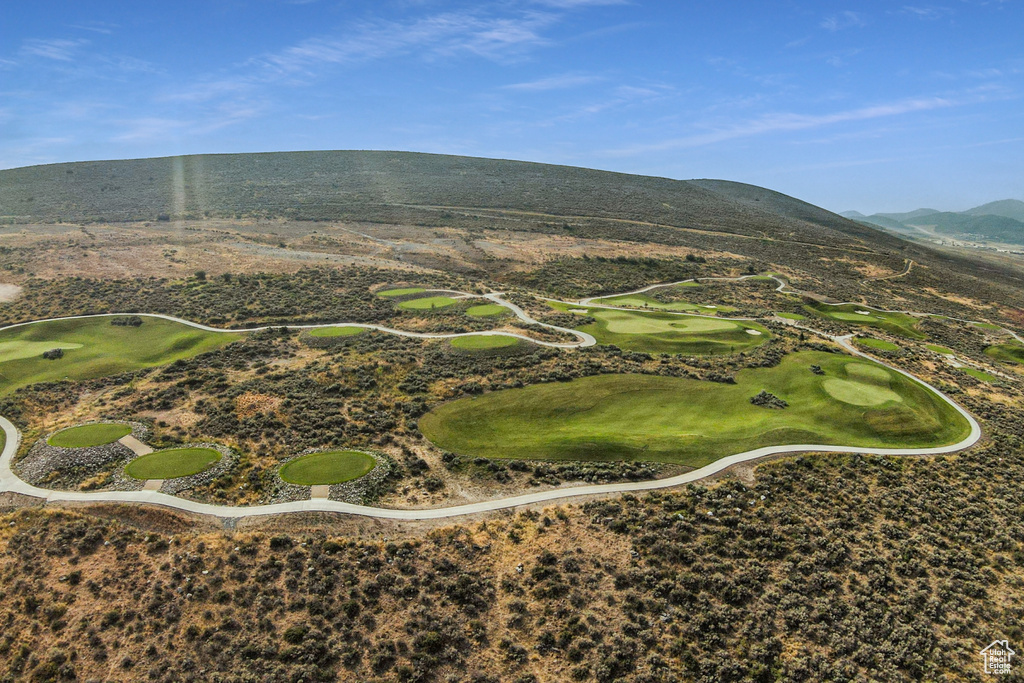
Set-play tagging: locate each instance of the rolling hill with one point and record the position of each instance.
(1000, 221)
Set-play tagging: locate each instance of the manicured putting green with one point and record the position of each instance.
(877, 344)
(686, 421)
(939, 349)
(95, 348)
(663, 332)
(486, 310)
(86, 436)
(791, 316)
(1008, 353)
(896, 323)
(427, 303)
(484, 341)
(332, 467)
(347, 331)
(645, 301)
(401, 292)
(16, 350)
(980, 374)
(172, 463)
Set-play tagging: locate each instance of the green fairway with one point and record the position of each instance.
(486, 310)
(645, 301)
(897, 323)
(100, 348)
(877, 344)
(980, 374)
(346, 331)
(791, 316)
(669, 419)
(987, 326)
(333, 467)
(172, 463)
(400, 292)
(16, 350)
(1008, 353)
(89, 435)
(654, 332)
(480, 341)
(427, 303)
(939, 349)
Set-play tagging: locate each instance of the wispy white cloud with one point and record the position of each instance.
(561, 82)
(58, 48)
(930, 12)
(844, 20)
(95, 27)
(785, 122)
(573, 4)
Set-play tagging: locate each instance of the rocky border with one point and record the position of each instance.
(43, 460)
(354, 491)
(177, 485)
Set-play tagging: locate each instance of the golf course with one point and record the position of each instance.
(900, 324)
(656, 332)
(693, 423)
(95, 348)
(86, 436)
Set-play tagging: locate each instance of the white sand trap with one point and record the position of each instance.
(754, 332)
(710, 306)
(9, 292)
(862, 312)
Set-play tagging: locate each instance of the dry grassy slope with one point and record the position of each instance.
(345, 184)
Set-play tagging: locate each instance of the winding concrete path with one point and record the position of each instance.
(9, 481)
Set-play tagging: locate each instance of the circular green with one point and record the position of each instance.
(426, 303)
(486, 310)
(172, 463)
(859, 393)
(877, 344)
(484, 341)
(331, 467)
(346, 331)
(86, 436)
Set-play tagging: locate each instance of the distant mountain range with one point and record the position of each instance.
(1001, 221)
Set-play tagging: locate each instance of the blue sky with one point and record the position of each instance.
(877, 106)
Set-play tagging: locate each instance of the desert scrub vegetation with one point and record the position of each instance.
(585, 276)
(828, 568)
(309, 295)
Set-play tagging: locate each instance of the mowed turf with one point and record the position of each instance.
(897, 323)
(346, 331)
(876, 344)
(669, 419)
(1008, 353)
(654, 332)
(86, 436)
(484, 341)
(332, 467)
(426, 303)
(645, 301)
(406, 291)
(101, 348)
(486, 310)
(172, 463)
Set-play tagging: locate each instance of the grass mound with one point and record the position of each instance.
(480, 342)
(87, 436)
(670, 419)
(328, 332)
(172, 463)
(663, 332)
(645, 301)
(899, 324)
(876, 344)
(980, 374)
(486, 310)
(1008, 353)
(791, 316)
(332, 467)
(406, 291)
(426, 303)
(95, 348)
(939, 349)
